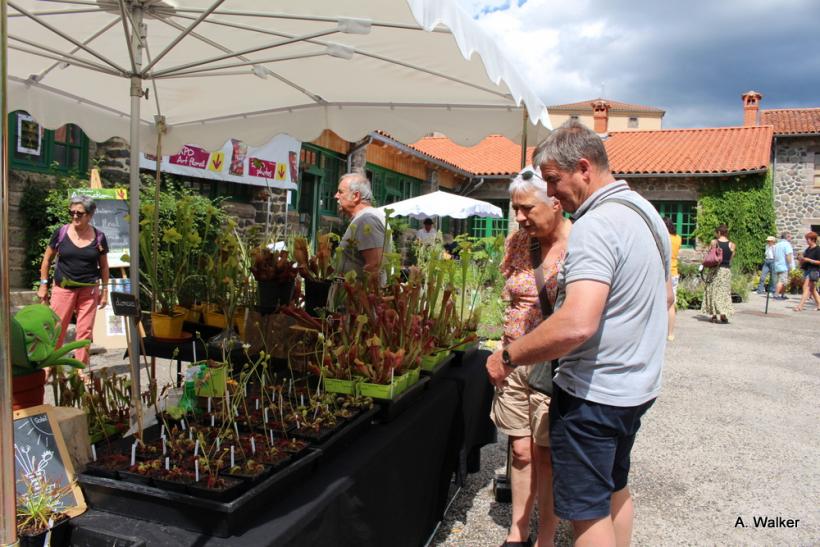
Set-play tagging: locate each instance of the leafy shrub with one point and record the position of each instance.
(745, 205)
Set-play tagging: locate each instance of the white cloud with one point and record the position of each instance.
(694, 62)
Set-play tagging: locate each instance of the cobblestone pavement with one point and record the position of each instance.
(734, 433)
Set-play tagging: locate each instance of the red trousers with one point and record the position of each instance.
(83, 300)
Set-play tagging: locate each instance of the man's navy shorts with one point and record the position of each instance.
(590, 443)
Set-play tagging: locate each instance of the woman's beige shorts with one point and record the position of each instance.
(519, 411)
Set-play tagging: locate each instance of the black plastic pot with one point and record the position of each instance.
(233, 487)
(316, 292)
(60, 534)
(274, 294)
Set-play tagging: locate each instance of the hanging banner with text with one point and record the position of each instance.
(275, 164)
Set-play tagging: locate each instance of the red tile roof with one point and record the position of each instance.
(709, 151)
(495, 155)
(792, 121)
(614, 106)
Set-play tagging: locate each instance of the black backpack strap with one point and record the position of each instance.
(648, 222)
(540, 282)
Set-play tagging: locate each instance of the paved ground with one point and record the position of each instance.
(735, 433)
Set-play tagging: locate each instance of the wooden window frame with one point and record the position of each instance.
(42, 162)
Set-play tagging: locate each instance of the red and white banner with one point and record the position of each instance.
(275, 164)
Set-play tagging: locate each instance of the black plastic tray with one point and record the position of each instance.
(438, 370)
(352, 429)
(84, 536)
(215, 518)
(389, 409)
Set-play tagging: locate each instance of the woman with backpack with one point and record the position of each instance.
(717, 299)
(82, 261)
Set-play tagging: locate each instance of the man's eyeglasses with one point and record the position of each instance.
(79, 214)
(527, 175)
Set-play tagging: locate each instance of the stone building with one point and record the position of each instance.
(796, 169)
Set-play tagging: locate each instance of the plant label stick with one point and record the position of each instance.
(236, 429)
(163, 446)
(134, 454)
(93, 453)
(196, 470)
(182, 424)
(257, 403)
(162, 431)
(302, 400)
(167, 463)
(47, 541)
(190, 434)
(253, 445)
(233, 463)
(196, 448)
(218, 439)
(212, 420)
(271, 436)
(193, 345)
(209, 405)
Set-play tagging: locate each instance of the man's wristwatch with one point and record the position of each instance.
(505, 359)
(44, 282)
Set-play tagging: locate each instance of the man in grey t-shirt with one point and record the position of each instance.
(363, 243)
(609, 331)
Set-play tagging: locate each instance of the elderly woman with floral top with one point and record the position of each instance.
(519, 411)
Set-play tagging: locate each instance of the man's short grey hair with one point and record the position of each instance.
(87, 203)
(357, 182)
(530, 181)
(568, 144)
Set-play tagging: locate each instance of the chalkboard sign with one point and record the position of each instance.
(40, 455)
(124, 304)
(112, 218)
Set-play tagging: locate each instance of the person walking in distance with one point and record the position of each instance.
(783, 264)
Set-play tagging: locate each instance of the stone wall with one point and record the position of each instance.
(666, 188)
(18, 243)
(796, 201)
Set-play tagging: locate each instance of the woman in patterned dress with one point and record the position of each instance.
(519, 411)
(717, 298)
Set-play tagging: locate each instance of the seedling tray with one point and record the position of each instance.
(389, 409)
(216, 518)
(85, 536)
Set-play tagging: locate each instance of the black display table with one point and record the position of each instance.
(390, 487)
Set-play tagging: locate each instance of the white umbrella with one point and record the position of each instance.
(442, 204)
(247, 69)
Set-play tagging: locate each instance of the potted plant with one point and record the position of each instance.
(35, 330)
(316, 270)
(275, 276)
(169, 244)
(39, 514)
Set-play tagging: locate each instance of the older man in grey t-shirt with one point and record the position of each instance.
(363, 243)
(608, 332)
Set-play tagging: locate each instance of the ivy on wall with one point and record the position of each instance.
(745, 205)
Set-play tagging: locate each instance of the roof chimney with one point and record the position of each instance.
(751, 108)
(600, 112)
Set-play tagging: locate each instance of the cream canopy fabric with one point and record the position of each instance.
(442, 204)
(251, 69)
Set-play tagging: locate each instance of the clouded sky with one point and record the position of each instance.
(691, 58)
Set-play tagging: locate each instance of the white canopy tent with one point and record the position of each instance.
(442, 204)
(200, 71)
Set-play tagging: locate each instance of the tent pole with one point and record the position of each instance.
(134, 211)
(8, 525)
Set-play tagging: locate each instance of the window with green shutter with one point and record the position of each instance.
(35, 148)
(684, 215)
(490, 227)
